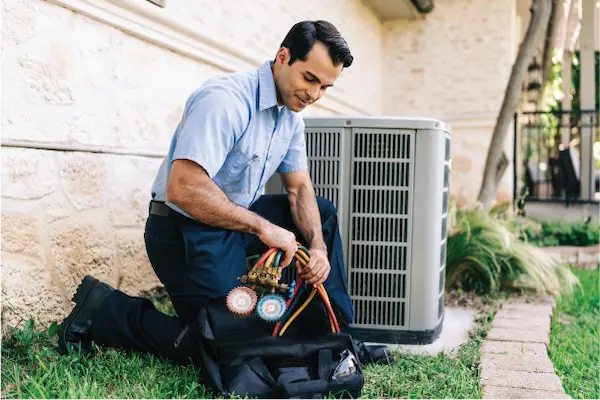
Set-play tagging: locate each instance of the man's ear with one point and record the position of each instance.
(283, 56)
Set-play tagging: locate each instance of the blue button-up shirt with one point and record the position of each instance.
(233, 128)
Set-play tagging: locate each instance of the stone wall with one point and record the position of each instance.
(454, 65)
(72, 80)
(67, 214)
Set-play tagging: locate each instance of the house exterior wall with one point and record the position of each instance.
(454, 65)
(72, 80)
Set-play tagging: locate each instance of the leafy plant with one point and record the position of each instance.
(485, 254)
(562, 233)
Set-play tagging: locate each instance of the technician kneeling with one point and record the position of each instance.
(207, 214)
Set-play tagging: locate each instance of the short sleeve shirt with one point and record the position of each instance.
(233, 128)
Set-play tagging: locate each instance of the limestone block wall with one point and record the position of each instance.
(454, 65)
(65, 215)
(71, 80)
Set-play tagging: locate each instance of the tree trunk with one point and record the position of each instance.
(556, 16)
(494, 168)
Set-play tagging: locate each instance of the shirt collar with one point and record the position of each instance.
(267, 91)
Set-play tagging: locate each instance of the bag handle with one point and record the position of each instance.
(260, 369)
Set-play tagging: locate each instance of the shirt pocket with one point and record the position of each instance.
(279, 152)
(239, 177)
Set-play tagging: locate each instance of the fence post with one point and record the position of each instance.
(587, 91)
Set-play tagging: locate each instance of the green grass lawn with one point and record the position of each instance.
(574, 343)
(32, 368)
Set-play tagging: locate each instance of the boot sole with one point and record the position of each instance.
(82, 292)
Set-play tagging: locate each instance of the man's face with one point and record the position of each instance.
(304, 82)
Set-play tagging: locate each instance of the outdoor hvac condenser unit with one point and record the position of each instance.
(389, 179)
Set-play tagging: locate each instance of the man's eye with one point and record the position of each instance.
(308, 80)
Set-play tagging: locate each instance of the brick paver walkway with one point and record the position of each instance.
(514, 361)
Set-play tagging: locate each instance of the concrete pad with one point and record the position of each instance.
(514, 348)
(498, 392)
(458, 322)
(512, 323)
(531, 363)
(521, 379)
(519, 335)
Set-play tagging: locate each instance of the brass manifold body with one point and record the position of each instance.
(266, 278)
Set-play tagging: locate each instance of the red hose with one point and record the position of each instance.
(329, 309)
(262, 259)
(299, 282)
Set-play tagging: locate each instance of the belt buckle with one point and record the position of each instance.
(159, 208)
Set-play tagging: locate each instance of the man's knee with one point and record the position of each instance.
(326, 207)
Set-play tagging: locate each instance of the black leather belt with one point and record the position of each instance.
(161, 209)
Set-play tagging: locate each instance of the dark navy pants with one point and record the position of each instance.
(199, 265)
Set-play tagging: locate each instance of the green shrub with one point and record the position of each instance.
(485, 254)
(562, 233)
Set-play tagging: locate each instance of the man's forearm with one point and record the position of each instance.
(306, 216)
(208, 204)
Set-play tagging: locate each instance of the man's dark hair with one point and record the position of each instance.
(303, 35)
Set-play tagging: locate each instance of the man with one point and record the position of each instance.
(207, 214)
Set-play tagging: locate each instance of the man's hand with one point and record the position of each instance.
(318, 268)
(275, 236)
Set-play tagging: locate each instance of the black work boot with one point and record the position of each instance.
(74, 334)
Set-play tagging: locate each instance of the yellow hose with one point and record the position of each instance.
(304, 260)
(302, 255)
(293, 317)
(269, 260)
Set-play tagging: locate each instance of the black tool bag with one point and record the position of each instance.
(239, 357)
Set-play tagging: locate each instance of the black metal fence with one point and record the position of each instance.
(551, 156)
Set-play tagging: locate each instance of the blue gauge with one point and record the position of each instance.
(271, 307)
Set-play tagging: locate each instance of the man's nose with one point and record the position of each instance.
(313, 94)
